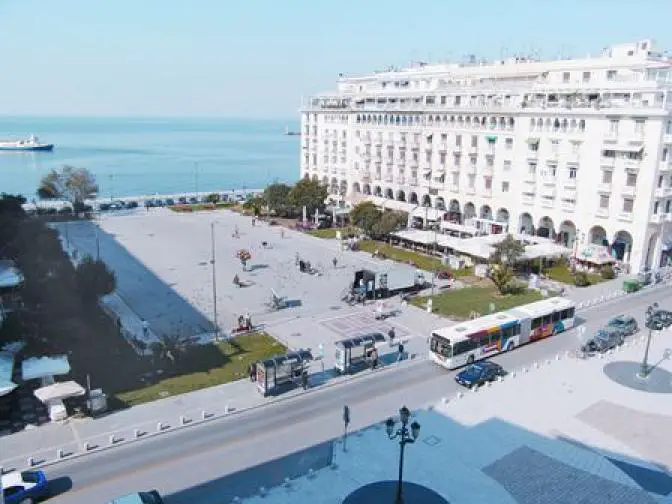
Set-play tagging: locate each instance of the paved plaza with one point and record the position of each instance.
(560, 432)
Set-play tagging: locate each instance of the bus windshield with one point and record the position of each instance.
(441, 346)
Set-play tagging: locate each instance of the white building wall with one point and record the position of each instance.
(352, 142)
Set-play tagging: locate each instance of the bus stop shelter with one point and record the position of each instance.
(282, 372)
(354, 354)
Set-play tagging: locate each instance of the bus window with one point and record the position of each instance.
(441, 346)
(547, 319)
(563, 314)
(536, 322)
(571, 312)
(464, 346)
(556, 316)
(484, 339)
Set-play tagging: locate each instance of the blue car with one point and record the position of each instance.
(25, 487)
(478, 373)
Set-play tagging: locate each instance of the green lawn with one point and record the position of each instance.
(330, 233)
(197, 207)
(422, 261)
(561, 273)
(205, 366)
(459, 303)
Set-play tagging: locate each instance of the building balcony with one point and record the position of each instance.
(602, 212)
(413, 163)
(470, 169)
(530, 177)
(625, 216)
(548, 192)
(657, 218)
(415, 145)
(569, 194)
(628, 190)
(573, 158)
(569, 183)
(401, 180)
(413, 181)
(547, 203)
(604, 187)
(389, 179)
(610, 136)
(366, 178)
(552, 157)
(663, 192)
(607, 162)
(457, 149)
(443, 147)
(532, 155)
(549, 181)
(631, 164)
(528, 199)
(665, 167)
(567, 206)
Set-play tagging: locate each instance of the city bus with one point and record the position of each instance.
(466, 342)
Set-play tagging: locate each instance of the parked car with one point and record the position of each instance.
(603, 340)
(182, 200)
(478, 373)
(149, 203)
(151, 497)
(170, 202)
(625, 323)
(131, 204)
(24, 487)
(665, 317)
(193, 200)
(104, 207)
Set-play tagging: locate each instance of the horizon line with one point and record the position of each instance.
(147, 117)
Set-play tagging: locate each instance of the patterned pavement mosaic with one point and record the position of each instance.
(357, 324)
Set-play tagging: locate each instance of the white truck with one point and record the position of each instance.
(381, 283)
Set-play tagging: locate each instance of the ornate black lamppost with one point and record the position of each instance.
(652, 322)
(405, 437)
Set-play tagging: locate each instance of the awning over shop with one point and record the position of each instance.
(41, 367)
(59, 391)
(631, 149)
(595, 254)
(491, 138)
(532, 141)
(428, 213)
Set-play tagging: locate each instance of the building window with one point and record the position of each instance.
(473, 160)
(664, 155)
(456, 179)
(607, 176)
(611, 75)
(604, 201)
(631, 180)
(508, 143)
(472, 180)
(490, 161)
(458, 140)
(565, 77)
(554, 146)
(656, 207)
(444, 137)
(668, 206)
(572, 172)
(442, 158)
(532, 168)
(507, 165)
(668, 128)
(660, 181)
(586, 76)
(443, 100)
(613, 126)
(488, 182)
(628, 204)
(505, 187)
(474, 141)
(639, 126)
(428, 156)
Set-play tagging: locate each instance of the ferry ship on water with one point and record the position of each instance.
(31, 144)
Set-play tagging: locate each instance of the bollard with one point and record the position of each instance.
(445, 400)
(513, 374)
(548, 361)
(287, 483)
(31, 461)
(226, 409)
(136, 433)
(204, 415)
(159, 426)
(557, 356)
(475, 388)
(262, 491)
(183, 420)
(59, 453)
(112, 439)
(536, 365)
(87, 446)
(525, 370)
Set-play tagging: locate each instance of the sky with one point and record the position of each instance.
(258, 58)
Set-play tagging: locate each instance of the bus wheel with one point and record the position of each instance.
(510, 346)
(470, 359)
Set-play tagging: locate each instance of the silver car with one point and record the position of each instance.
(603, 340)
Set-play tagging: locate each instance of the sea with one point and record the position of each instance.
(145, 157)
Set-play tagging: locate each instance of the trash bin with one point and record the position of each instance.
(630, 286)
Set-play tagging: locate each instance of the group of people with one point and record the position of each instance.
(244, 322)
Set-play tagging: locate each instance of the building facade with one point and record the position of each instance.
(579, 150)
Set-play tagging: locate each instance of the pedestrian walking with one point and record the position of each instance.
(391, 334)
(282, 233)
(334, 261)
(145, 329)
(400, 357)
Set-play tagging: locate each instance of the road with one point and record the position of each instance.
(190, 465)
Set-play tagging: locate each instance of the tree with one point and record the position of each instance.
(309, 193)
(366, 216)
(94, 279)
(73, 184)
(276, 196)
(212, 198)
(255, 204)
(388, 222)
(501, 276)
(508, 252)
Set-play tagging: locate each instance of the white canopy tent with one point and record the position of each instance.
(59, 391)
(43, 367)
(6, 372)
(545, 249)
(10, 275)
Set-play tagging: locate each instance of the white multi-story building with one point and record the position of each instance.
(576, 149)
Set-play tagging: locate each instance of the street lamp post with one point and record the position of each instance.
(405, 437)
(651, 320)
(214, 280)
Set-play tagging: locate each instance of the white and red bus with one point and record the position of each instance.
(466, 342)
